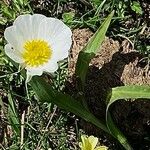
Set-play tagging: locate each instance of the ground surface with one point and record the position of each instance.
(116, 64)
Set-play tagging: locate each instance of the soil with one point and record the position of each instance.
(145, 4)
(116, 64)
(54, 9)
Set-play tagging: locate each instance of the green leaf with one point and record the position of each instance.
(96, 3)
(46, 93)
(7, 12)
(130, 91)
(68, 17)
(90, 50)
(124, 92)
(136, 7)
(117, 133)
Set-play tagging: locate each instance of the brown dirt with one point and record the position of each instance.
(116, 64)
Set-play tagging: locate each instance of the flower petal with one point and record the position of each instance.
(23, 24)
(13, 54)
(85, 145)
(58, 35)
(61, 50)
(101, 148)
(51, 67)
(14, 37)
(84, 139)
(93, 141)
(34, 71)
(37, 19)
(29, 25)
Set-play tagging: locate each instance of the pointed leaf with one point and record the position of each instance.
(90, 50)
(46, 93)
(124, 92)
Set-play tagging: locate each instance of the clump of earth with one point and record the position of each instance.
(116, 64)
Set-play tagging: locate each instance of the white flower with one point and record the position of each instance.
(37, 42)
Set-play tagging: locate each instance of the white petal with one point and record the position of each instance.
(58, 35)
(34, 71)
(14, 37)
(13, 54)
(37, 19)
(61, 49)
(51, 67)
(51, 29)
(24, 24)
(31, 71)
(28, 25)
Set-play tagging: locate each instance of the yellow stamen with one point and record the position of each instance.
(36, 52)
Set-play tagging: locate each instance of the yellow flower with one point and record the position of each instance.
(37, 42)
(89, 143)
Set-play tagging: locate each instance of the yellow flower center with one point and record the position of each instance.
(36, 52)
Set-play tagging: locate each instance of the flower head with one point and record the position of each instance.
(37, 42)
(89, 143)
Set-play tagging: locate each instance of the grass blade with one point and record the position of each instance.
(12, 115)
